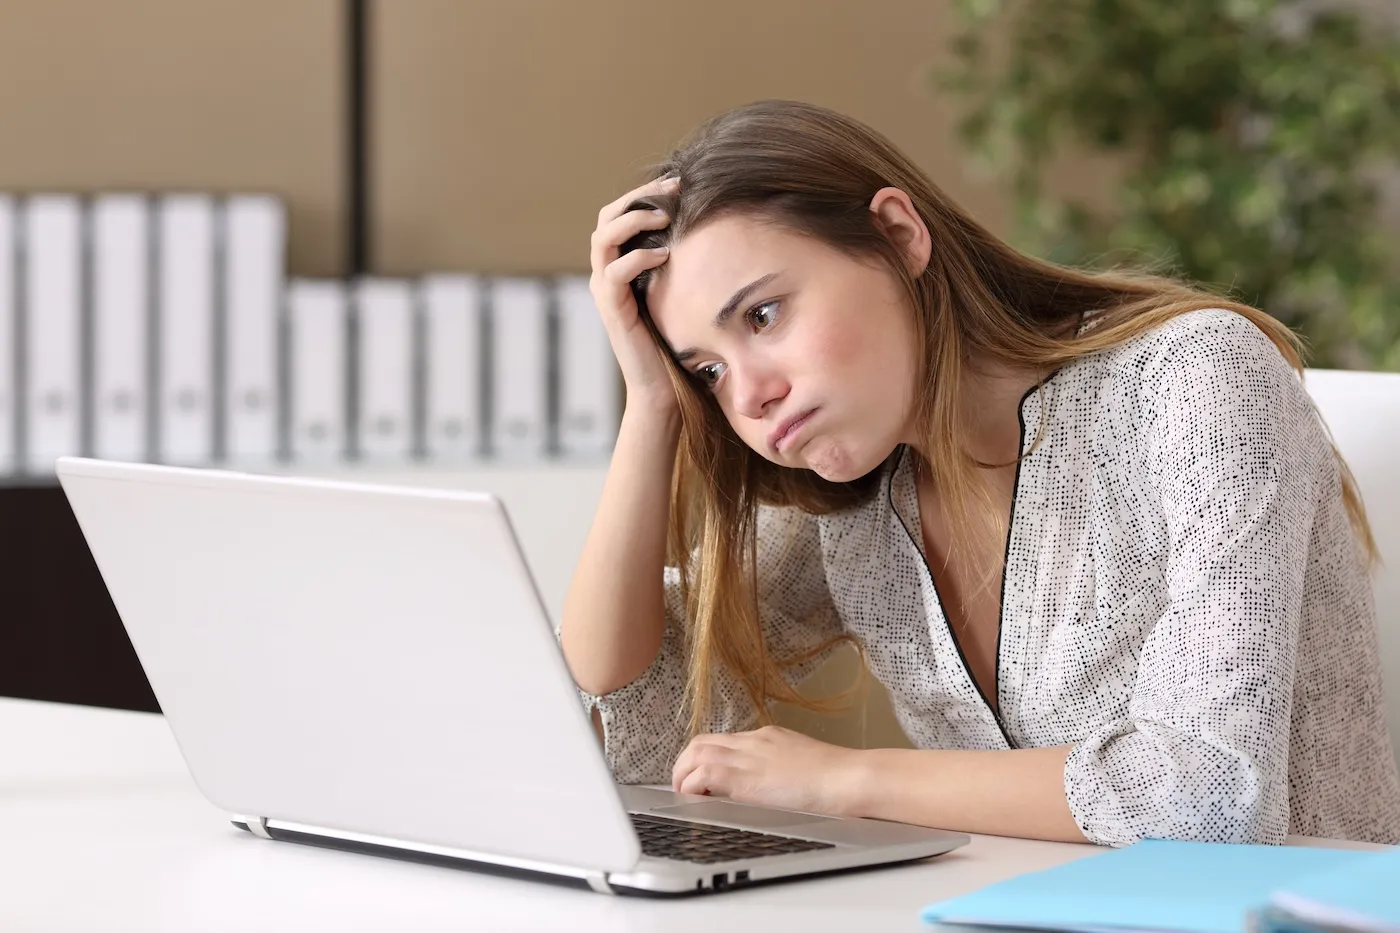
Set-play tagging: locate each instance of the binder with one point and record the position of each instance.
(589, 381)
(53, 290)
(519, 322)
(452, 362)
(9, 349)
(255, 238)
(385, 412)
(317, 355)
(185, 321)
(121, 301)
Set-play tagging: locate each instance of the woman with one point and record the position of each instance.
(1087, 529)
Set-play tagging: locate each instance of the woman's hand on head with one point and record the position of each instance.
(643, 370)
(771, 766)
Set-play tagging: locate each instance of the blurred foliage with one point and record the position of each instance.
(1252, 134)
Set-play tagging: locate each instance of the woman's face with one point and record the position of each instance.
(810, 353)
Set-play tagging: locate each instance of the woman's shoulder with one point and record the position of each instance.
(1209, 349)
(1208, 331)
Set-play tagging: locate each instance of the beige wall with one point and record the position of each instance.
(498, 126)
(161, 94)
(503, 125)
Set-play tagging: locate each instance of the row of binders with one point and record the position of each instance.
(165, 329)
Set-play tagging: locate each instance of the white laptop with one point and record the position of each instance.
(371, 668)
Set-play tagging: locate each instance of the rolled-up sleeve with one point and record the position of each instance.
(1229, 443)
(644, 723)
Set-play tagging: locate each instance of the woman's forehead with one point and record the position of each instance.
(710, 263)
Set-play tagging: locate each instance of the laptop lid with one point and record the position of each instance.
(363, 658)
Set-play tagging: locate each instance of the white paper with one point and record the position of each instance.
(589, 380)
(452, 357)
(317, 317)
(385, 423)
(121, 296)
(519, 318)
(185, 299)
(7, 335)
(53, 298)
(255, 237)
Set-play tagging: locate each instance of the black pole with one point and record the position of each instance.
(357, 255)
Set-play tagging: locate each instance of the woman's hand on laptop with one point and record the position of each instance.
(772, 766)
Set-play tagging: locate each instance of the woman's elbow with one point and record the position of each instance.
(1212, 797)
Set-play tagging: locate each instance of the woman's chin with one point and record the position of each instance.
(836, 464)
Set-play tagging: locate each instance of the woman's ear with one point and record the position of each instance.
(895, 213)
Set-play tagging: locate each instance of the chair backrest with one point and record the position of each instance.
(1363, 412)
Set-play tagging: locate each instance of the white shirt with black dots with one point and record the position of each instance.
(1183, 602)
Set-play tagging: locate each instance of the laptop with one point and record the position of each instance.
(371, 668)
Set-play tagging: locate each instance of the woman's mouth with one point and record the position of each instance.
(787, 432)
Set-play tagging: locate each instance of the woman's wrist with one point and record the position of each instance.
(852, 783)
(653, 412)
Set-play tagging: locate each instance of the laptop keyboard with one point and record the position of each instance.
(705, 844)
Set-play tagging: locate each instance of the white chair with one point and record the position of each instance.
(1363, 412)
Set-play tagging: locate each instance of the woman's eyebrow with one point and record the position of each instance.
(730, 306)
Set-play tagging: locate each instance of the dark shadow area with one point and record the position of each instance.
(62, 638)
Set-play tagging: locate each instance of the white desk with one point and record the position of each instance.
(101, 828)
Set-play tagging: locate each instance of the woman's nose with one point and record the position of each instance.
(756, 387)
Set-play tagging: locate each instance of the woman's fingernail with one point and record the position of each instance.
(659, 212)
(671, 181)
(662, 249)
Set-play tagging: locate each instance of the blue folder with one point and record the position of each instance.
(1363, 895)
(1191, 887)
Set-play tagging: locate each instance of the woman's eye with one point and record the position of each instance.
(761, 316)
(710, 373)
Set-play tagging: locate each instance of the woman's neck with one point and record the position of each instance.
(991, 401)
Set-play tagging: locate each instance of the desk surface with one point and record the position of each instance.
(101, 828)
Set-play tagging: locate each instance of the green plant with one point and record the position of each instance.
(1251, 134)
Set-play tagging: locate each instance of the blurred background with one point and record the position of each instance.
(1250, 145)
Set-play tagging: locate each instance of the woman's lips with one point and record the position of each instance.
(788, 430)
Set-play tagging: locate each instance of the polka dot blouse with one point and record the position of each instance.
(1183, 603)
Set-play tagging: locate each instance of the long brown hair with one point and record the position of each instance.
(815, 172)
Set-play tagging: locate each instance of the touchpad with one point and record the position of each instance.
(741, 813)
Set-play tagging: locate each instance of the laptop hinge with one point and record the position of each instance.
(597, 880)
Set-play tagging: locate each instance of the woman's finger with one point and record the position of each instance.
(617, 208)
(619, 273)
(606, 244)
(705, 751)
(708, 780)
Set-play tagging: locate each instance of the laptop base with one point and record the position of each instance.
(716, 883)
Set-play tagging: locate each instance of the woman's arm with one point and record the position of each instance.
(1005, 793)
(615, 610)
(1232, 450)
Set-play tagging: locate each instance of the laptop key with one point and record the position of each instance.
(700, 843)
